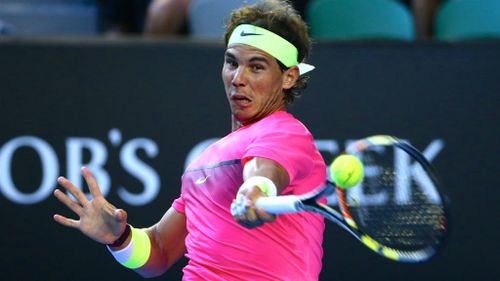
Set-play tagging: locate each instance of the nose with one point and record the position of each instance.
(239, 77)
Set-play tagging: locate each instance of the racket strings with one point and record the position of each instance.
(415, 222)
(403, 227)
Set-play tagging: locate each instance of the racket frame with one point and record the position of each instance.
(309, 202)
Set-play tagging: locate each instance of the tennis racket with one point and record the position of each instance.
(397, 211)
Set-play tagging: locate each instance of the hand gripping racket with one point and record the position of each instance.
(397, 211)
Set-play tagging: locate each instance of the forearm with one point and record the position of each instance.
(157, 263)
(269, 169)
(157, 248)
(163, 254)
(262, 177)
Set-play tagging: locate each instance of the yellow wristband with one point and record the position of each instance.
(141, 249)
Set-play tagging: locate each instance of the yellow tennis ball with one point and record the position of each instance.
(346, 171)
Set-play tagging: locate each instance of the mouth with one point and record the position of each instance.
(241, 99)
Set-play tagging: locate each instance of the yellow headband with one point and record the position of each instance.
(270, 43)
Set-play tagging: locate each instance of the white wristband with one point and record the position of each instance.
(266, 185)
(137, 252)
(123, 255)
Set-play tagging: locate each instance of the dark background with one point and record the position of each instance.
(171, 92)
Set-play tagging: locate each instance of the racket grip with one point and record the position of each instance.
(280, 204)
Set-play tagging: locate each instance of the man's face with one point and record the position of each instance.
(253, 82)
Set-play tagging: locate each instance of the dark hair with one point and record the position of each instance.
(281, 18)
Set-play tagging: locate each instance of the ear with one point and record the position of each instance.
(290, 76)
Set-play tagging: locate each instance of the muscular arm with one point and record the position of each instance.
(167, 243)
(267, 168)
(249, 194)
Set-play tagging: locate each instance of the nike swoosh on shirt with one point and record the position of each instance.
(243, 33)
(201, 180)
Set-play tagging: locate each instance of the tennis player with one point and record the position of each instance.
(214, 222)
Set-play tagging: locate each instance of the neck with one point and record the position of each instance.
(235, 124)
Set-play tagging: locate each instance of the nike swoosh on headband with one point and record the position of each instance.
(243, 33)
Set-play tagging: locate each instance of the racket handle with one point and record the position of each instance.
(280, 204)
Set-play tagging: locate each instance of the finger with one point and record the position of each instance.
(91, 182)
(251, 212)
(68, 202)
(238, 208)
(120, 215)
(251, 215)
(239, 213)
(265, 216)
(65, 221)
(251, 224)
(245, 216)
(75, 191)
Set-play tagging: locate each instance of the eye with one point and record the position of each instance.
(231, 62)
(257, 67)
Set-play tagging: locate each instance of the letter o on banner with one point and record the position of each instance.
(50, 167)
